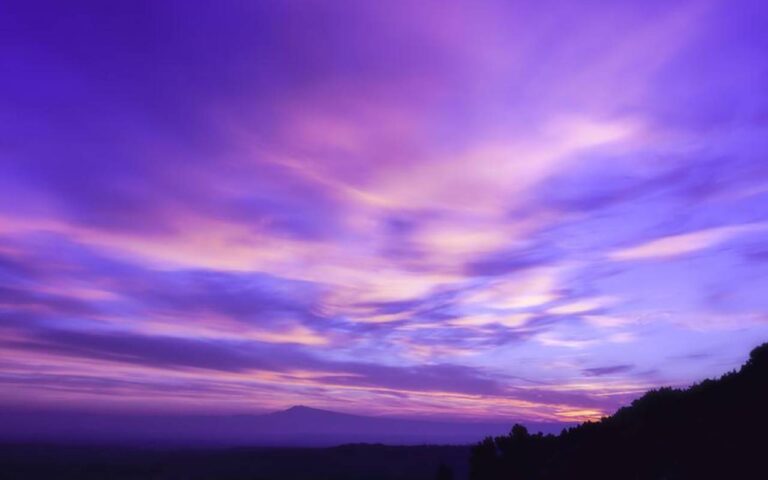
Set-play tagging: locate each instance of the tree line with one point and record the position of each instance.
(714, 429)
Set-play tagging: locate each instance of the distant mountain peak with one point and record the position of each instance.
(298, 408)
(303, 409)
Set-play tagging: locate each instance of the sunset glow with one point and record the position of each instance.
(447, 209)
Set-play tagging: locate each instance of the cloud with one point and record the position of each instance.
(504, 263)
(378, 205)
(581, 306)
(163, 352)
(156, 351)
(611, 370)
(686, 243)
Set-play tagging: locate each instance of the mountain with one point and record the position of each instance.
(296, 426)
(717, 429)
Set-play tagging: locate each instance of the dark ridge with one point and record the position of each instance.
(300, 408)
(345, 462)
(293, 427)
(714, 429)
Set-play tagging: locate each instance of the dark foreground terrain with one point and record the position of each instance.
(717, 429)
(347, 462)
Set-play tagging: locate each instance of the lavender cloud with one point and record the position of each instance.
(413, 205)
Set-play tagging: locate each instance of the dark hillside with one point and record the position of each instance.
(346, 462)
(715, 429)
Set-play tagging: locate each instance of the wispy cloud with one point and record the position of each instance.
(426, 208)
(686, 243)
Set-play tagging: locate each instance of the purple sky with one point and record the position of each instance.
(485, 209)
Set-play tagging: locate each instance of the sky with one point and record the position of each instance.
(485, 210)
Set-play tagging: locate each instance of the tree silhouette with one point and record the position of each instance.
(712, 430)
